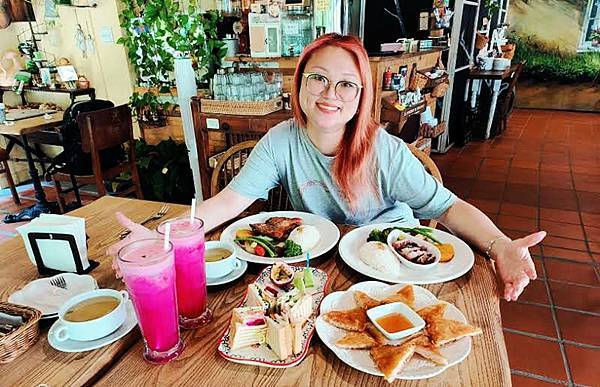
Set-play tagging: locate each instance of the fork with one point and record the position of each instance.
(159, 214)
(59, 282)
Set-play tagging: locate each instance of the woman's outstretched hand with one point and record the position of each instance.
(137, 232)
(514, 264)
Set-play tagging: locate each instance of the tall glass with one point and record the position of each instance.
(149, 274)
(188, 241)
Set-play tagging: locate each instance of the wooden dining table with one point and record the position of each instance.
(121, 363)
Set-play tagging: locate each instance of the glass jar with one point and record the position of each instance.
(296, 31)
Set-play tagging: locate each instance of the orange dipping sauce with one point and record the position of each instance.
(394, 322)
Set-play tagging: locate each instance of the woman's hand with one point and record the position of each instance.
(514, 264)
(137, 232)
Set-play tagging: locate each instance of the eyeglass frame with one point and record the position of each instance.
(308, 74)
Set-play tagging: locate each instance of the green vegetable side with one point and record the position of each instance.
(291, 249)
(377, 235)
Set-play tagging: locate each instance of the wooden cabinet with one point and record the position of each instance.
(217, 132)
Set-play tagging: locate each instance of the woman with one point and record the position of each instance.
(334, 160)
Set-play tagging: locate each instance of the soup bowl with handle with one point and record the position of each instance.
(96, 328)
(221, 267)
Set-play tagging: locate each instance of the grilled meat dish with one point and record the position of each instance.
(277, 227)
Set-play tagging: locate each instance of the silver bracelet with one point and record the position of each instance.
(488, 251)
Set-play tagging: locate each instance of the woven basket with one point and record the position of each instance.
(19, 341)
(243, 108)
(418, 80)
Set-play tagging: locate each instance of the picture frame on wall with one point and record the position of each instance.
(290, 3)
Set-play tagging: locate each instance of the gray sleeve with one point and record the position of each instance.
(410, 183)
(259, 174)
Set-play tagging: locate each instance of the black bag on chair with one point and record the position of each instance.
(72, 160)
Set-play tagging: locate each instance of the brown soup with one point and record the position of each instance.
(91, 309)
(214, 255)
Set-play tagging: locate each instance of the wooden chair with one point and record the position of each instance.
(230, 164)
(4, 157)
(429, 167)
(506, 100)
(103, 129)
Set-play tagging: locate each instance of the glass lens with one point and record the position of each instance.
(346, 91)
(316, 83)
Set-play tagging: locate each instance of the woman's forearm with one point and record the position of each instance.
(468, 222)
(222, 207)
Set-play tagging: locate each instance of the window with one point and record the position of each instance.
(590, 36)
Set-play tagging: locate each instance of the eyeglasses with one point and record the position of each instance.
(346, 91)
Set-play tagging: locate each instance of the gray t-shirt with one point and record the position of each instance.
(286, 156)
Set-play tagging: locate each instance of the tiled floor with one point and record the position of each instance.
(544, 174)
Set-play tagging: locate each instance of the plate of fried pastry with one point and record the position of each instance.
(357, 324)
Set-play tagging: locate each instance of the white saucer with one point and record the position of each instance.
(238, 271)
(48, 299)
(83, 346)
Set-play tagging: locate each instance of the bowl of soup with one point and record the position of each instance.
(220, 259)
(92, 315)
(396, 320)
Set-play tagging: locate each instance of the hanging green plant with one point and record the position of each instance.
(156, 32)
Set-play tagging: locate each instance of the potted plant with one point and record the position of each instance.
(156, 32)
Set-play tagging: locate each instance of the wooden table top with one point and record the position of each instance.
(31, 125)
(476, 73)
(121, 363)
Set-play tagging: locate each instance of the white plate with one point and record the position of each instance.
(444, 271)
(238, 271)
(329, 232)
(417, 367)
(261, 355)
(48, 299)
(83, 346)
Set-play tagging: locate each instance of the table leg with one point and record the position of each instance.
(42, 205)
(495, 92)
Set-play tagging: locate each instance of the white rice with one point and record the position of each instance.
(306, 236)
(378, 256)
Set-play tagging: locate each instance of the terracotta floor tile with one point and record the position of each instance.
(522, 163)
(488, 206)
(535, 292)
(527, 318)
(572, 255)
(518, 210)
(561, 216)
(553, 166)
(536, 250)
(512, 222)
(566, 243)
(542, 357)
(583, 298)
(522, 175)
(539, 268)
(592, 233)
(558, 198)
(594, 247)
(584, 364)
(525, 194)
(590, 219)
(584, 182)
(564, 230)
(524, 381)
(488, 190)
(556, 179)
(579, 327)
(492, 175)
(464, 172)
(589, 202)
(579, 273)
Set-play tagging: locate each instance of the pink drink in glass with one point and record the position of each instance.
(188, 241)
(149, 274)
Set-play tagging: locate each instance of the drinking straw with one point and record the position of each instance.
(307, 259)
(167, 236)
(193, 213)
